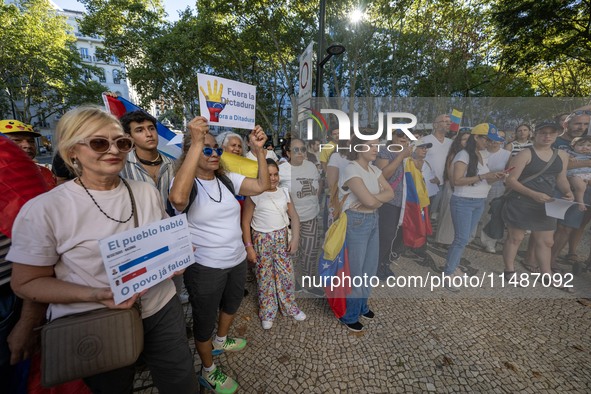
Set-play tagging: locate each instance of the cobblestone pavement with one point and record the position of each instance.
(471, 341)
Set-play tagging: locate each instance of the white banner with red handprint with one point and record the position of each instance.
(226, 102)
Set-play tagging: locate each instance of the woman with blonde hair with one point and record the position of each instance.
(63, 267)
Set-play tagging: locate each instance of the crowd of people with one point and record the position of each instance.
(111, 177)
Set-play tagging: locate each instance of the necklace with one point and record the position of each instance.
(219, 189)
(156, 162)
(103, 212)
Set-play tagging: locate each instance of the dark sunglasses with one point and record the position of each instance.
(207, 151)
(297, 149)
(102, 144)
(582, 112)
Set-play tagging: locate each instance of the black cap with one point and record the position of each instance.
(547, 123)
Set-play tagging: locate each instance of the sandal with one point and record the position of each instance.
(573, 258)
(556, 270)
(562, 287)
(508, 275)
(530, 267)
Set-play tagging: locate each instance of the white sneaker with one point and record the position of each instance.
(267, 324)
(490, 249)
(301, 316)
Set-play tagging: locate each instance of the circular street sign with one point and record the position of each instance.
(304, 73)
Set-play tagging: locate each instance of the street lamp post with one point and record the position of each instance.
(333, 50)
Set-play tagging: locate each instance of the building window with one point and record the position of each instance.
(102, 76)
(84, 53)
(116, 76)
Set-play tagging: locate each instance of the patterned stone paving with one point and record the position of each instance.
(420, 342)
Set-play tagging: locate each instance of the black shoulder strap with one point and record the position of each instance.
(228, 183)
(192, 196)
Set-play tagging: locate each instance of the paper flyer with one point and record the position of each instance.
(140, 258)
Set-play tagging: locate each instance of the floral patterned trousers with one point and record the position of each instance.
(274, 272)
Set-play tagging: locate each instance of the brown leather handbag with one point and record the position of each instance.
(89, 343)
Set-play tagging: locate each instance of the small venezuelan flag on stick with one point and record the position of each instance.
(456, 120)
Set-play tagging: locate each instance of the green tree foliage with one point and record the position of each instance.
(126, 26)
(41, 67)
(429, 48)
(547, 41)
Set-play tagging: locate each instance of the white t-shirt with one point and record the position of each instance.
(302, 183)
(497, 161)
(270, 212)
(62, 227)
(215, 226)
(437, 154)
(479, 189)
(428, 174)
(339, 162)
(369, 177)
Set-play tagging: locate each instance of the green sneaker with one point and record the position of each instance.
(230, 345)
(218, 381)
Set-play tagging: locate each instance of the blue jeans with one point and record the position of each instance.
(465, 215)
(363, 247)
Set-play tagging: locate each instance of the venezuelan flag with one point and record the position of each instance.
(456, 120)
(240, 165)
(339, 267)
(416, 225)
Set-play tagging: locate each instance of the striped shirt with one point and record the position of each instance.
(5, 265)
(518, 147)
(135, 171)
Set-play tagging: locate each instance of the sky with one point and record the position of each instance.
(171, 6)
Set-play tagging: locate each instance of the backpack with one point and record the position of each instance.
(193, 195)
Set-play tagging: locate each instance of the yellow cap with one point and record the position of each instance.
(16, 126)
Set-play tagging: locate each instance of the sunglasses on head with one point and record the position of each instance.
(582, 112)
(297, 149)
(102, 144)
(207, 151)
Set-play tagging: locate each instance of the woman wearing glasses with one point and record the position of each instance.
(217, 278)
(63, 266)
(300, 177)
(538, 172)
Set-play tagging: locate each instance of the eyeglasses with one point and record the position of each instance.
(582, 112)
(207, 151)
(102, 144)
(297, 149)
